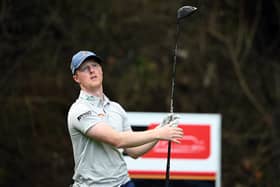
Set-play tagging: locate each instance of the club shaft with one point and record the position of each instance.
(167, 174)
(174, 71)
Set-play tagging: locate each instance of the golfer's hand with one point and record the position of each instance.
(170, 133)
(171, 119)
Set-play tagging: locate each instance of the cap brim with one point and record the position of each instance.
(95, 58)
(79, 59)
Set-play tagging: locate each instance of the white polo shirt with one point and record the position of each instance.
(96, 163)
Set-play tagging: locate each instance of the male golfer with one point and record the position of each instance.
(100, 131)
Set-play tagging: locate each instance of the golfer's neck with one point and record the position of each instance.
(98, 92)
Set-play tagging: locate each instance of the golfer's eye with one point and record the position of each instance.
(87, 67)
(94, 65)
(84, 68)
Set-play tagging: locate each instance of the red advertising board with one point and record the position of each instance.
(197, 157)
(194, 145)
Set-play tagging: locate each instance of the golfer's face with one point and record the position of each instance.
(89, 75)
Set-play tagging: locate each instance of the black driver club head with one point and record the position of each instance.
(185, 11)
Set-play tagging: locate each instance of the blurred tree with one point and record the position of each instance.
(228, 63)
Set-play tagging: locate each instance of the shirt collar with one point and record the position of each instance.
(99, 101)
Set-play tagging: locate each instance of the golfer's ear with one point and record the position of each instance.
(75, 77)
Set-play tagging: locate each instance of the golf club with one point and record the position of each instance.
(182, 13)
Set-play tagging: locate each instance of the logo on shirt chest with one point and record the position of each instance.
(101, 115)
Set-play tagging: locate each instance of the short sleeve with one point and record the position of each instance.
(83, 118)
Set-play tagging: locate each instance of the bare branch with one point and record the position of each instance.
(237, 54)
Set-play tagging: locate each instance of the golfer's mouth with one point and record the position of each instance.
(93, 77)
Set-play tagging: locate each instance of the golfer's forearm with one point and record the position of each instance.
(135, 152)
(133, 139)
(104, 133)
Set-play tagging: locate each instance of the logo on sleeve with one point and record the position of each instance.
(84, 115)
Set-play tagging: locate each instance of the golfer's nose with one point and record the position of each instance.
(91, 68)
